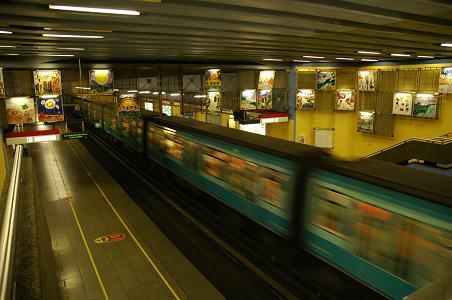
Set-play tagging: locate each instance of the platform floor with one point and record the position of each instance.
(83, 203)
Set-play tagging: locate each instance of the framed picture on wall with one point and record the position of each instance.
(50, 109)
(425, 105)
(402, 104)
(213, 101)
(248, 99)
(326, 80)
(445, 80)
(366, 121)
(213, 81)
(20, 110)
(47, 82)
(345, 100)
(266, 80)
(305, 99)
(101, 81)
(366, 80)
(264, 99)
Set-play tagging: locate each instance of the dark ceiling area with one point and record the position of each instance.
(235, 30)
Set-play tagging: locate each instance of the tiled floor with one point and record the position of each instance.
(127, 269)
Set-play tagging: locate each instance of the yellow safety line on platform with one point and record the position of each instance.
(82, 234)
(148, 258)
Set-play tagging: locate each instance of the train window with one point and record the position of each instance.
(215, 163)
(174, 146)
(242, 177)
(273, 187)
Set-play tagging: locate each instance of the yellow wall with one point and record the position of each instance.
(2, 164)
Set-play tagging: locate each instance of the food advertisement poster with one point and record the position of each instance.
(101, 81)
(402, 104)
(326, 80)
(213, 101)
(2, 84)
(366, 80)
(345, 100)
(445, 80)
(47, 82)
(213, 82)
(366, 120)
(425, 105)
(305, 99)
(264, 99)
(266, 79)
(50, 109)
(20, 110)
(248, 99)
(128, 106)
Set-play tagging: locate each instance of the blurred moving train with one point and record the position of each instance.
(386, 225)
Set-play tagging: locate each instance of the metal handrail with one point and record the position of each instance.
(9, 226)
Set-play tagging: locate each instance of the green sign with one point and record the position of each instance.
(75, 136)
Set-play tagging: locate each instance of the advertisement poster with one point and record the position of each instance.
(166, 110)
(2, 84)
(20, 110)
(425, 105)
(50, 109)
(326, 80)
(248, 99)
(213, 82)
(366, 80)
(345, 100)
(47, 82)
(366, 121)
(264, 99)
(128, 107)
(213, 101)
(266, 79)
(402, 104)
(101, 81)
(445, 80)
(305, 99)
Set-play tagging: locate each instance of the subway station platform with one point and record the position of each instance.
(104, 245)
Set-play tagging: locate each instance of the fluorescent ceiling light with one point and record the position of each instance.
(446, 44)
(272, 59)
(75, 49)
(368, 59)
(155, 93)
(144, 92)
(302, 61)
(5, 46)
(175, 94)
(132, 91)
(425, 56)
(47, 28)
(96, 10)
(344, 58)
(199, 96)
(399, 54)
(310, 56)
(57, 55)
(12, 54)
(5, 32)
(73, 36)
(368, 52)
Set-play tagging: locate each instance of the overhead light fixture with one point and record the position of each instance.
(272, 59)
(96, 10)
(301, 61)
(344, 58)
(12, 54)
(425, 56)
(6, 46)
(446, 44)
(76, 36)
(311, 56)
(144, 92)
(368, 59)
(175, 94)
(47, 28)
(115, 90)
(399, 54)
(368, 52)
(199, 96)
(132, 91)
(5, 32)
(155, 93)
(75, 49)
(57, 55)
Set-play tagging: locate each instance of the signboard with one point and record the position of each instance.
(28, 137)
(50, 109)
(74, 136)
(47, 82)
(110, 238)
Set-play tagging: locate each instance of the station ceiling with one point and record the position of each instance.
(234, 30)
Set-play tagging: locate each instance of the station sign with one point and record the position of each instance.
(74, 136)
(29, 137)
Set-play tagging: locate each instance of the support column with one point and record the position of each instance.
(291, 96)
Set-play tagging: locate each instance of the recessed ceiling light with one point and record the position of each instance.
(5, 32)
(75, 49)
(57, 55)
(368, 59)
(302, 61)
(399, 54)
(12, 54)
(425, 56)
(272, 59)
(155, 93)
(96, 10)
(47, 28)
(175, 94)
(77, 36)
(132, 91)
(6, 46)
(368, 52)
(200, 96)
(310, 56)
(144, 92)
(446, 44)
(344, 58)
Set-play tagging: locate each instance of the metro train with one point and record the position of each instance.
(386, 225)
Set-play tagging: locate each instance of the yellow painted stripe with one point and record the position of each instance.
(148, 258)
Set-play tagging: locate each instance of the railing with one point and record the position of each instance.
(441, 140)
(9, 226)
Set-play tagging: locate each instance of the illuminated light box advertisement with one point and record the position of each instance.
(101, 81)
(445, 80)
(248, 99)
(425, 105)
(2, 84)
(326, 80)
(50, 109)
(257, 128)
(264, 99)
(213, 101)
(128, 106)
(366, 80)
(149, 106)
(345, 100)
(366, 120)
(20, 110)
(266, 80)
(305, 99)
(402, 104)
(166, 110)
(47, 82)
(213, 82)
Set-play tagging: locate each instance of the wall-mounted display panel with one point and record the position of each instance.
(305, 99)
(445, 80)
(366, 80)
(425, 105)
(345, 100)
(101, 81)
(264, 99)
(50, 109)
(47, 82)
(128, 106)
(266, 80)
(213, 81)
(248, 99)
(402, 104)
(326, 80)
(366, 121)
(213, 101)
(2, 84)
(20, 110)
